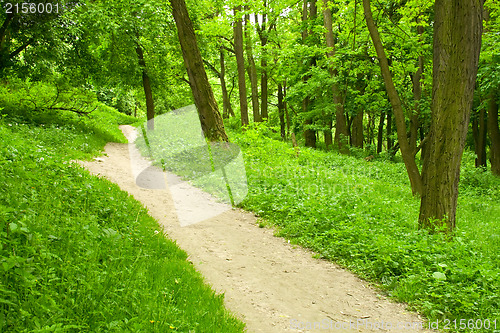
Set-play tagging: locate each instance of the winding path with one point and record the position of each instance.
(271, 285)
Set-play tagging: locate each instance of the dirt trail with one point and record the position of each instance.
(271, 285)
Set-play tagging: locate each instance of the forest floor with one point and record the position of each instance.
(270, 284)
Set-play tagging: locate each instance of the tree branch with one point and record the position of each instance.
(212, 67)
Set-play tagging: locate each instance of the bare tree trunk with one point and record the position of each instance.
(406, 152)
(150, 105)
(252, 71)
(494, 131)
(341, 130)
(240, 62)
(208, 111)
(457, 44)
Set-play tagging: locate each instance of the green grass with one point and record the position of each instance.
(363, 216)
(79, 254)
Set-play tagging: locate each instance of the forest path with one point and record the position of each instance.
(271, 285)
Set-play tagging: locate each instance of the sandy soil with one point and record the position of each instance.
(271, 285)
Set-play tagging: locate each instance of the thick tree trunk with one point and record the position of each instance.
(341, 130)
(479, 134)
(208, 111)
(252, 71)
(457, 43)
(281, 111)
(406, 152)
(240, 62)
(226, 101)
(494, 132)
(150, 104)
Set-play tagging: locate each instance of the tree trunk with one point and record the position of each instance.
(380, 134)
(328, 133)
(479, 134)
(240, 62)
(150, 104)
(287, 114)
(252, 71)
(457, 43)
(494, 131)
(357, 130)
(341, 131)
(208, 111)
(390, 141)
(281, 111)
(263, 65)
(417, 96)
(227, 109)
(309, 13)
(406, 152)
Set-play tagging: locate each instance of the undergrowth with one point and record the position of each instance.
(362, 215)
(79, 254)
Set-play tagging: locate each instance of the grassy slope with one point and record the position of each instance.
(362, 215)
(79, 254)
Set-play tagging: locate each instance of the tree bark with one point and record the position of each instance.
(457, 44)
(240, 62)
(150, 105)
(208, 111)
(341, 130)
(407, 154)
(494, 132)
(252, 71)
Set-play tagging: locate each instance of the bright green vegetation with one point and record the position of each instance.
(79, 254)
(362, 215)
